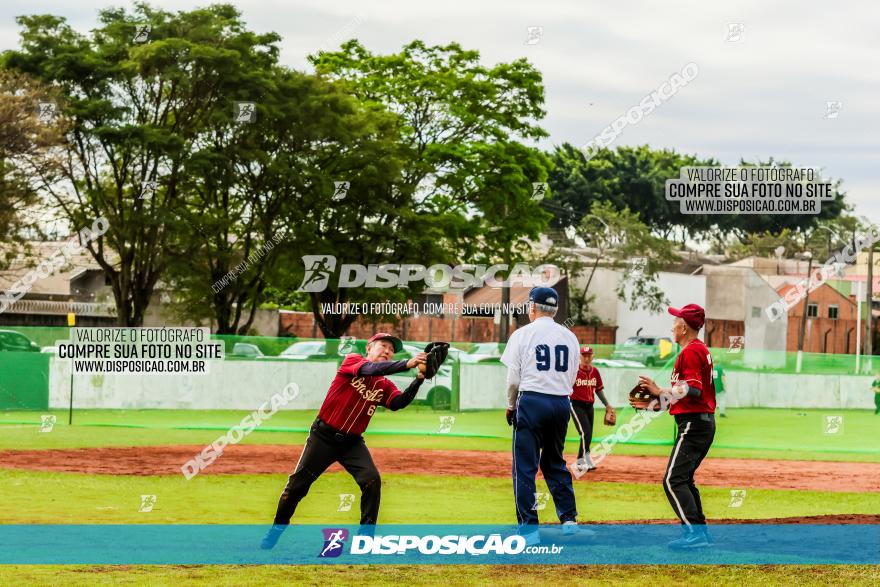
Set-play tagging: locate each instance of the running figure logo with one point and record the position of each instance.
(346, 500)
(47, 422)
(737, 497)
(46, 111)
(340, 189)
(334, 540)
(541, 500)
(446, 423)
(539, 190)
(148, 502)
(245, 112)
(142, 33)
(318, 271)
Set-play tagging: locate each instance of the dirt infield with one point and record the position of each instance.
(241, 459)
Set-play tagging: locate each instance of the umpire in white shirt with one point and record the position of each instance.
(542, 364)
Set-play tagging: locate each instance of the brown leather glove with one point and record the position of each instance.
(610, 416)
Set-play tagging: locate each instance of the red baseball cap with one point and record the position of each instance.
(396, 342)
(692, 314)
(586, 350)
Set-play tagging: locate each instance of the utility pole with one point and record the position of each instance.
(505, 318)
(869, 337)
(804, 314)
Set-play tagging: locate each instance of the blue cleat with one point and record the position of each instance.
(270, 539)
(691, 539)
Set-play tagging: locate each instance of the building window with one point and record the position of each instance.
(756, 311)
(832, 312)
(812, 310)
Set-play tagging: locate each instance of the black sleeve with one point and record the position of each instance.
(405, 398)
(382, 367)
(693, 392)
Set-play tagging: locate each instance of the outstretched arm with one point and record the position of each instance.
(383, 367)
(390, 367)
(399, 402)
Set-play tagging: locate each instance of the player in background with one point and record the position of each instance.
(587, 386)
(336, 434)
(542, 365)
(875, 387)
(692, 401)
(720, 378)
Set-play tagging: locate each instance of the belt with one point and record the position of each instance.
(544, 394)
(705, 417)
(331, 431)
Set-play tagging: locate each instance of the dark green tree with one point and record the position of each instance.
(466, 183)
(635, 178)
(258, 189)
(138, 105)
(27, 145)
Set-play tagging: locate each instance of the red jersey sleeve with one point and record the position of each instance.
(391, 391)
(691, 369)
(351, 364)
(599, 385)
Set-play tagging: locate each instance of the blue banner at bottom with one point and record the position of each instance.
(435, 544)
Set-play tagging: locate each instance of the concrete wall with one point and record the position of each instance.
(680, 289)
(229, 385)
(725, 289)
(740, 294)
(158, 314)
(604, 287)
(245, 385)
(761, 334)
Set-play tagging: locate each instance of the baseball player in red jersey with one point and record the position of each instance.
(587, 387)
(335, 435)
(691, 400)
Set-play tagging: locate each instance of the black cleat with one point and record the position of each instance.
(270, 539)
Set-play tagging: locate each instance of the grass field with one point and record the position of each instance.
(67, 498)
(747, 433)
(505, 576)
(250, 499)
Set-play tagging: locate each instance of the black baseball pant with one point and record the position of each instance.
(325, 446)
(582, 414)
(695, 435)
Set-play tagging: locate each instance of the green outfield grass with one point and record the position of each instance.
(391, 575)
(45, 497)
(747, 433)
(68, 498)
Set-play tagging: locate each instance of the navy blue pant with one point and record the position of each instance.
(538, 440)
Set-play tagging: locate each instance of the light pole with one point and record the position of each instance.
(800, 352)
(869, 336)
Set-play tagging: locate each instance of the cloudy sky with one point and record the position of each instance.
(761, 90)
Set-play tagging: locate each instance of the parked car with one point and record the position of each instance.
(246, 349)
(17, 342)
(483, 351)
(647, 350)
(305, 349)
(616, 363)
(436, 392)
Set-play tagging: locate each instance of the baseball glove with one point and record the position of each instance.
(610, 416)
(640, 398)
(437, 353)
(639, 394)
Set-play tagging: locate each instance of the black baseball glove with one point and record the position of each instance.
(437, 353)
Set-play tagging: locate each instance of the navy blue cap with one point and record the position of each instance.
(546, 296)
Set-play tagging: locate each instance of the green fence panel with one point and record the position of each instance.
(24, 381)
